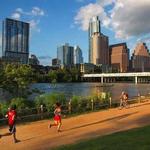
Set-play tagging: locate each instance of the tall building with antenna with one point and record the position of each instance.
(98, 44)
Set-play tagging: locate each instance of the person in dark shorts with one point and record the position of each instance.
(11, 116)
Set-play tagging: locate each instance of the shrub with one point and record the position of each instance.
(20, 103)
(3, 109)
(50, 99)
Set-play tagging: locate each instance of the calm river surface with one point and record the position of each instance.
(87, 89)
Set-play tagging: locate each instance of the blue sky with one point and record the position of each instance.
(55, 22)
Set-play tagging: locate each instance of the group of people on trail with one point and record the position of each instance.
(12, 116)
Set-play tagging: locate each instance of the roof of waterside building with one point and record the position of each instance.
(141, 49)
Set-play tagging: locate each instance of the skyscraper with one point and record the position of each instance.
(141, 58)
(78, 59)
(119, 57)
(15, 41)
(94, 26)
(98, 44)
(65, 55)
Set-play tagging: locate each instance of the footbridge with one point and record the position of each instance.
(105, 76)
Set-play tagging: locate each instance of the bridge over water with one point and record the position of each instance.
(105, 76)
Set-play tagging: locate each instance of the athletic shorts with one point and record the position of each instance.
(57, 118)
(12, 128)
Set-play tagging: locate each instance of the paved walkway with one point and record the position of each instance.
(37, 136)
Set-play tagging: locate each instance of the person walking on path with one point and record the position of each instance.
(57, 117)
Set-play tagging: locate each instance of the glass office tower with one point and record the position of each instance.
(15, 41)
(65, 55)
(78, 59)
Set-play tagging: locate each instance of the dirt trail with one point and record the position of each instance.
(37, 136)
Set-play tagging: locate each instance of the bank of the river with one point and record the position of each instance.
(88, 88)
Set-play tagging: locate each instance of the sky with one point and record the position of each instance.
(56, 22)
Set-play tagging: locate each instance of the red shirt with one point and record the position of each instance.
(11, 117)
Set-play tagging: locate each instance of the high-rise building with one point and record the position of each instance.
(119, 57)
(140, 59)
(78, 59)
(100, 53)
(65, 55)
(98, 44)
(15, 41)
(94, 26)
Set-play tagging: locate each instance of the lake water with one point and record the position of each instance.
(87, 89)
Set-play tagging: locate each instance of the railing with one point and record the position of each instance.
(33, 114)
(131, 74)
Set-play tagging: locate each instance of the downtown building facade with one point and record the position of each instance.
(15, 41)
(140, 59)
(78, 59)
(65, 55)
(119, 57)
(98, 44)
(68, 55)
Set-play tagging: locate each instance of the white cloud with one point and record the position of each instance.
(19, 10)
(31, 16)
(34, 25)
(36, 11)
(87, 12)
(131, 18)
(127, 18)
(145, 39)
(105, 2)
(16, 16)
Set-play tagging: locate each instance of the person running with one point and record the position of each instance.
(57, 117)
(11, 115)
(123, 100)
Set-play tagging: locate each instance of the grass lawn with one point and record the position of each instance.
(135, 139)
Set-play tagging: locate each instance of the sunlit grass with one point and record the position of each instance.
(135, 139)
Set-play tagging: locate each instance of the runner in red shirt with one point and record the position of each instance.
(11, 115)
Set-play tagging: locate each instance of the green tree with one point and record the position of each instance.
(75, 73)
(53, 76)
(16, 79)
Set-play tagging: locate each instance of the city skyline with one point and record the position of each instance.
(53, 23)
